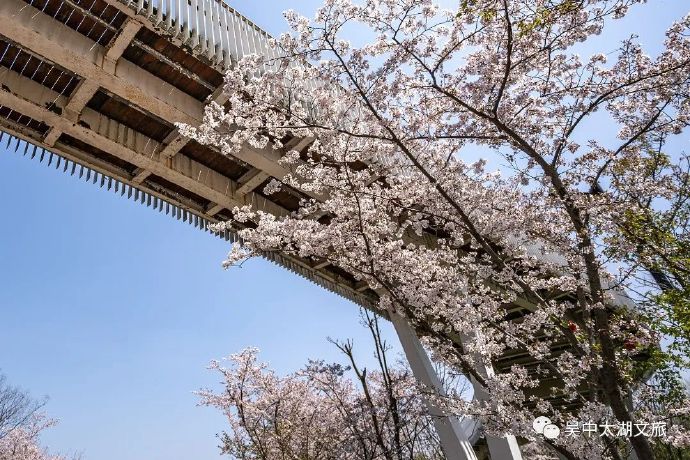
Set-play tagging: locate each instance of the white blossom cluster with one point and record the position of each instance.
(22, 442)
(320, 413)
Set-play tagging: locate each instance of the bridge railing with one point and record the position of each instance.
(210, 27)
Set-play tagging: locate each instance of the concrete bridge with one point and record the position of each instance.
(93, 88)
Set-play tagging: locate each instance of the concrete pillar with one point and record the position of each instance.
(505, 447)
(454, 440)
(452, 432)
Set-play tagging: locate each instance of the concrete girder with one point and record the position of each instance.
(87, 88)
(73, 51)
(175, 141)
(361, 286)
(122, 40)
(76, 103)
(250, 180)
(67, 48)
(214, 209)
(81, 96)
(321, 264)
(31, 98)
(298, 144)
(174, 146)
(52, 137)
(140, 175)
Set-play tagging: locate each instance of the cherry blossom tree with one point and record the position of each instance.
(22, 442)
(21, 424)
(540, 259)
(16, 407)
(324, 411)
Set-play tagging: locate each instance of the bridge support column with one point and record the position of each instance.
(505, 447)
(454, 440)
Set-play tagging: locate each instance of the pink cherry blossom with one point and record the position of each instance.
(485, 262)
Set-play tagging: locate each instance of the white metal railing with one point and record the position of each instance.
(210, 27)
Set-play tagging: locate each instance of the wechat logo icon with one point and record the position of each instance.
(543, 426)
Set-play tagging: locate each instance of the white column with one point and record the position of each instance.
(505, 447)
(454, 441)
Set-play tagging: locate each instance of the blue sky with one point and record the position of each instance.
(114, 310)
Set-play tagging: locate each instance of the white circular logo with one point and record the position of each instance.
(551, 431)
(539, 424)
